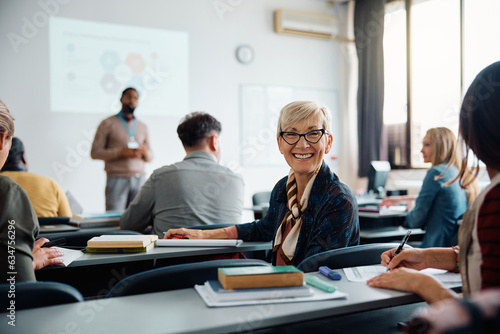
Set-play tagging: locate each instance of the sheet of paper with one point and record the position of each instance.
(69, 256)
(317, 295)
(364, 273)
(197, 242)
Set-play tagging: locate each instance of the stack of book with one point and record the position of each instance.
(121, 243)
(257, 283)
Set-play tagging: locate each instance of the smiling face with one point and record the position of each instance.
(303, 157)
(427, 148)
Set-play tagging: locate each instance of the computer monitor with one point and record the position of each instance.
(377, 177)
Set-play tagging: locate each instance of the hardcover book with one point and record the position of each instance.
(121, 241)
(119, 250)
(260, 277)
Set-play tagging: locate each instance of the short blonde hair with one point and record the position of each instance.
(6, 121)
(299, 110)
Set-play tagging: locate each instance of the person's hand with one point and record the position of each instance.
(184, 233)
(130, 153)
(219, 233)
(143, 151)
(402, 279)
(389, 201)
(410, 205)
(410, 258)
(410, 280)
(451, 314)
(43, 257)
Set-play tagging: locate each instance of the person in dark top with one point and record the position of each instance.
(310, 210)
(20, 254)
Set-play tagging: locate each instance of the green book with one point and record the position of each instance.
(260, 277)
(259, 270)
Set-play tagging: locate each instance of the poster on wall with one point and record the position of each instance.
(260, 106)
(92, 62)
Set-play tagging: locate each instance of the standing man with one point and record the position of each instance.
(123, 143)
(194, 191)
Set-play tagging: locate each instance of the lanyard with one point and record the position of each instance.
(131, 133)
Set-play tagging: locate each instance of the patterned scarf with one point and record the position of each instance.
(293, 217)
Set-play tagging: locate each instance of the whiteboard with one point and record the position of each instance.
(260, 106)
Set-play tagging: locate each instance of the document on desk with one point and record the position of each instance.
(197, 242)
(317, 295)
(364, 273)
(69, 256)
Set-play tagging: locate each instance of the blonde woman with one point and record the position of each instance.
(479, 251)
(310, 210)
(438, 205)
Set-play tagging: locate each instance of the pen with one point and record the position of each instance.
(403, 242)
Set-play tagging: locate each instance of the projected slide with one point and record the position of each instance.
(91, 63)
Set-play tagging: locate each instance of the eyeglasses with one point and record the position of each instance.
(312, 137)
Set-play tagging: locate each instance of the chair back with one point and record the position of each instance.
(38, 294)
(176, 277)
(260, 202)
(261, 198)
(361, 255)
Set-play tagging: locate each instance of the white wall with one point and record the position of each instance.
(64, 139)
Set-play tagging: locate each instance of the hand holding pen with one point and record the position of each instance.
(400, 248)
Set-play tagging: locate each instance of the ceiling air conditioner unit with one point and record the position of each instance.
(296, 22)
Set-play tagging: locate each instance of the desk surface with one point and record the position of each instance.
(376, 215)
(174, 312)
(388, 232)
(164, 253)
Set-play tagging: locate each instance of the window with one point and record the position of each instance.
(449, 42)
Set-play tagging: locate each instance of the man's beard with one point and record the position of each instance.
(127, 110)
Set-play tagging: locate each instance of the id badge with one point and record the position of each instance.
(133, 144)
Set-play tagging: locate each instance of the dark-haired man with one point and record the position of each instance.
(194, 191)
(46, 195)
(122, 142)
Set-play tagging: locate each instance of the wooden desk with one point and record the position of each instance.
(183, 311)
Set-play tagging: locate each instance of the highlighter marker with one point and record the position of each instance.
(320, 284)
(331, 274)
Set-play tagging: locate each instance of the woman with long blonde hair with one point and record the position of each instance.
(440, 202)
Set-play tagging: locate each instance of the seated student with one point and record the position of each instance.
(46, 196)
(194, 191)
(477, 257)
(311, 210)
(438, 206)
(18, 222)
